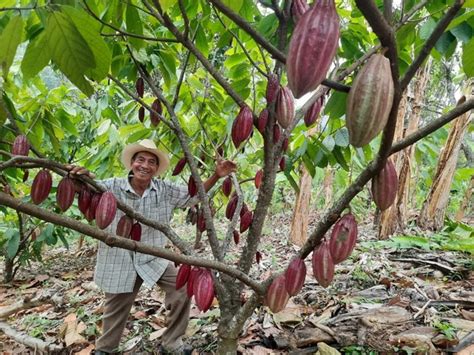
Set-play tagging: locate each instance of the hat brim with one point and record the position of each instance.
(130, 150)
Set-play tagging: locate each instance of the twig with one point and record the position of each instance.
(29, 341)
(417, 314)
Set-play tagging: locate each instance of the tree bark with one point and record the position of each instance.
(434, 207)
(465, 202)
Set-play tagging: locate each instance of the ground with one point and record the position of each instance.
(385, 298)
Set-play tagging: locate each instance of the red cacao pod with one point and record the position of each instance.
(277, 297)
(203, 290)
(258, 178)
(298, 9)
(141, 114)
(242, 126)
(273, 86)
(236, 237)
(41, 186)
(343, 238)
(195, 272)
(106, 210)
(285, 107)
(246, 221)
(192, 188)
(295, 275)
(369, 101)
(124, 226)
(262, 120)
(140, 86)
(282, 163)
(183, 275)
(136, 232)
(258, 257)
(157, 110)
(385, 185)
(21, 145)
(231, 206)
(227, 186)
(244, 209)
(84, 199)
(90, 213)
(201, 221)
(284, 145)
(65, 193)
(276, 133)
(323, 265)
(179, 166)
(312, 48)
(312, 115)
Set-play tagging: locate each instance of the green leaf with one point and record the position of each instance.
(463, 32)
(36, 57)
(341, 137)
(468, 58)
(329, 143)
(167, 4)
(235, 5)
(90, 31)
(10, 38)
(444, 42)
(202, 43)
(336, 106)
(69, 51)
(134, 25)
(340, 158)
(13, 243)
(427, 28)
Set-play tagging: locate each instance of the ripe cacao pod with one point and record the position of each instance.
(179, 166)
(236, 237)
(282, 163)
(244, 209)
(298, 9)
(343, 238)
(90, 213)
(106, 210)
(276, 133)
(273, 86)
(384, 186)
(21, 145)
(140, 86)
(136, 232)
(231, 206)
(41, 186)
(312, 115)
(183, 275)
(192, 188)
(284, 145)
(195, 272)
(203, 290)
(124, 226)
(246, 221)
(369, 101)
(227, 186)
(285, 107)
(242, 126)
(258, 178)
(312, 48)
(141, 114)
(323, 265)
(277, 297)
(262, 120)
(157, 110)
(65, 193)
(258, 257)
(295, 275)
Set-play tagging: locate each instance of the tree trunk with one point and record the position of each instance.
(8, 269)
(328, 183)
(395, 216)
(434, 207)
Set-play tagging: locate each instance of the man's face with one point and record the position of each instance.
(144, 166)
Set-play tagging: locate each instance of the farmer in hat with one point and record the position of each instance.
(120, 272)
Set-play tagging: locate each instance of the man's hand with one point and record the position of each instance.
(225, 167)
(79, 170)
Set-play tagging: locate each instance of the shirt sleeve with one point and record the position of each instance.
(178, 196)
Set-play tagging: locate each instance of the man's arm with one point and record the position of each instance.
(223, 168)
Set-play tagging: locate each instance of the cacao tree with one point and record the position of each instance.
(204, 71)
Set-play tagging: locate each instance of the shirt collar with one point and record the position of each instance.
(129, 188)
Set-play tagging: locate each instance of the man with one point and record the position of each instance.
(120, 272)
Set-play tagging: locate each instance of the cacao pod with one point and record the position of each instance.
(277, 297)
(21, 145)
(179, 166)
(343, 238)
(384, 186)
(276, 133)
(262, 120)
(65, 193)
(227, 186)
(236, 237)
(258, 178)
(192, 188)
(312, 48)
(258, 257)
(201, 221)
(41, 186)
(141, 114)
(246, 221)
(231, 206)
(136, 232)
(284, 145)
(298, 9)
(106, 210)
(140, 86)
(312, 115)
(323, 265)
(203, 290)
(124, 226)
(295, 275)
(191, 217)
(285, 107)
(183, 275)
(242, 126)
(273, 86)
(369, 101)
(157, 110)
(195, 272)
(282, 163)
(90, 214)
(244, 209)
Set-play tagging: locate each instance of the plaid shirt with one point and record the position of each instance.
(116, 269)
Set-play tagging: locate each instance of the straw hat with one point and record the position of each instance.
(145, 145)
